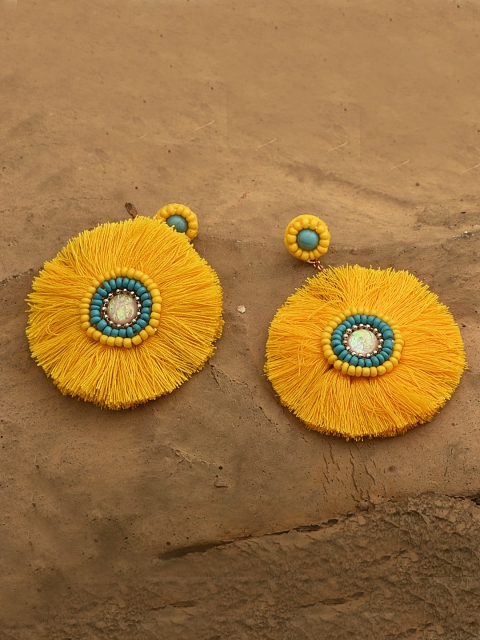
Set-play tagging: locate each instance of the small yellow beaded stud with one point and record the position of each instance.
(360, 352)
(307, 238)
(180, 218)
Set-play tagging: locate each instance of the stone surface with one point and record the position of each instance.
(250, 113)
(399, 570)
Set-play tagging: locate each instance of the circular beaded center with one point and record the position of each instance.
(363, 341)
(362, 344)
(122, 309)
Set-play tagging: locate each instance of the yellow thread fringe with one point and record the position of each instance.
(432, 363)
(190, 318)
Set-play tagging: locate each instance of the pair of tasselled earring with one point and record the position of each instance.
(129, 311)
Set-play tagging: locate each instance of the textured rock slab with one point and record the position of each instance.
(408, 569)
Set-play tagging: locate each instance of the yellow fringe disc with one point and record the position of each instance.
(403, 392)
(184, 325)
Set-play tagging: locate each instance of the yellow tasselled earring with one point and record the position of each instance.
(360, 352)
(126, 312)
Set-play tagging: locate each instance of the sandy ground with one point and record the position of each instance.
(364, 113)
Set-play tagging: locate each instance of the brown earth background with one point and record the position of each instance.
(213, 513)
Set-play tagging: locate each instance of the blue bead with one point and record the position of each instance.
(354, 361)
(101, 325)
(376, 322)
(122, 333)
(388, 344)
(141, 291)
(338, 349)
(142, 323)
(147, 303)
(102, 292)
(375, 361)
(383, 326)
(388, 334)
(361, 362)
(337, 335)
(137, 286)
(119, 282)
(97, 296)
(357, 317)
(145, 296)
(94, 319)
(137, 327)
(96, 303)
(145, 316)
(381, 358)
(370, 319)
(348, 357)
(114, 333)
(369, 363)
(363, 319)
(131, 284)
(113, 284)
(130, 332)
(178, 223)
(106, 286)
(336, 343)
(125, 282)
(351, 320)
(307, 239)
(341, 328)
(343, 355)
(387, 351)
(107, 330)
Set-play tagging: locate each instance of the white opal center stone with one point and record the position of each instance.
(122, 309)
(362, 341)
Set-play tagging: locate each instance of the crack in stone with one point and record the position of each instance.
(16, 276)
(187, 604)
(333, 601)
(353, 475)
(181, 552)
